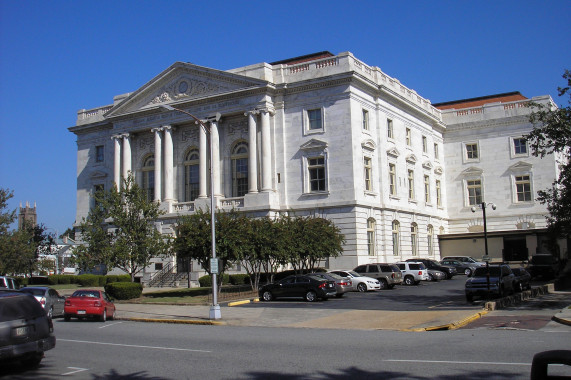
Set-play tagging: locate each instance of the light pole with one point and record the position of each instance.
(486, 257)
(214, 308)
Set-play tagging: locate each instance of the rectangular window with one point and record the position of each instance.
(368, 174)
(371, 237)
(471, 151)
(99, 153)
(314, 119)
(408, 137)
(436, 152)
(520, 146)
(316, 168)
(427, 189)
(523, 188)
(392, 179)
(390, 129)
(365, 120)
(424, 144)
(410, 184)
(413, 241)
(474, 192)
(158, 266)
(438, 193)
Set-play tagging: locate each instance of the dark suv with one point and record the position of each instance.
(388, 275)
(502, 282)
(433, 264)
(25, 329)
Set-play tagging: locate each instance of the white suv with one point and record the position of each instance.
(413, 272)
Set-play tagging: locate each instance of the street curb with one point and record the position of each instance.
(236, 303)
(450, 326)
(563, 321)
(175, 321)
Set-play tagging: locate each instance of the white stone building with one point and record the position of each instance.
(320, 134)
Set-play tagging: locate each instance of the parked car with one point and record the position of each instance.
(342, 284)
(413, 272)
(8, 283)
(543, 265)
(502, 282)
(360, 283)
(465, 267)
(433, 264)
(311, 288)
(89, 303)
(49, 298)
(26, 332)
(522, 279)
(435, 275)
(388, 275)
(465, 259)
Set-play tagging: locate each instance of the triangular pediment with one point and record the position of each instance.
(427, 165)
(184, 82)
(369, 144)
(520, 166)
(472, 171)
(314, 144)
(411, 158)
(393, 152)
(438, 170)
(98, 174)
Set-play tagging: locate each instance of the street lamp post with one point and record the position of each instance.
(486, 257)
(214, 308)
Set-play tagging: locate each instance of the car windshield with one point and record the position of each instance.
(481, 272)
(19, 307)
(34, 291)
(85, 293)
(355, 274)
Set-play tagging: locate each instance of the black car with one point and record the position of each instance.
(522, 279)
(311, 288)
(25, 329)
(433, 264)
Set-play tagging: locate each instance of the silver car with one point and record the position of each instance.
(49, 298)
(342, 285)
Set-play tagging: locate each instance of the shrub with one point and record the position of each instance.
(124, 290)
(22, 281)
(240, 279)
(206, 281)
(65, 279)
(88, 280)
(53, 279)
(102, 280)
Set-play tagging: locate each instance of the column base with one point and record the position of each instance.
(215, 312)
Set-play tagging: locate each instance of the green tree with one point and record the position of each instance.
(551, 134)
(6, 217)
(131, 239)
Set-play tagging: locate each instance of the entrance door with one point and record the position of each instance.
(515, 249)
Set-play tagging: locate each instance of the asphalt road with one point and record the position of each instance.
(131, 350)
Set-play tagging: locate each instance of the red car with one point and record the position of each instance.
(89, 303)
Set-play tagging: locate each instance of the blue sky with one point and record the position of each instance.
(57, 57)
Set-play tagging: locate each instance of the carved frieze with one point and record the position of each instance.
(186, 87)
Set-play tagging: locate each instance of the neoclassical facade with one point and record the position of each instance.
(321, 134)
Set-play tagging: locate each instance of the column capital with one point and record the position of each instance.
(157, 129)
(269, 110)
(167, 127)
(253, 112)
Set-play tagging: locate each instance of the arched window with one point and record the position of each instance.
(430, 233)
(371, 240)
(191, 175)
(240, 169)
(414, 239)
(149, 177)
(396, 238)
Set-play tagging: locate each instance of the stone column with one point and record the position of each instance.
(158, 163)
(168, 163)
(202, 164)
(126, 155)
(117, 161)
(266, 152)
(215, 146)
(252, 156)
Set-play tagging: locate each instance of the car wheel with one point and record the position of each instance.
(51, 313)
(408, 280)
(103, 317)
(384, 283)
(468, 272)
(310, 296)
(33, 360)
(362, 287)
(469, 299)
(66, 317)
(112, 316)
(267, 296)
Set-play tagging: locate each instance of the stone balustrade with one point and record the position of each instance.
(89, 116)
(232, 202)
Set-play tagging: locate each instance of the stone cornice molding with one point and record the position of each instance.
(491, 123)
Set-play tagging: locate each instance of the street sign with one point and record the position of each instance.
(486, 258)
(214, 266)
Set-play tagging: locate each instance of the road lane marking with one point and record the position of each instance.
(132, 345)
(77, 369)
(110, 324)
(453, 362)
